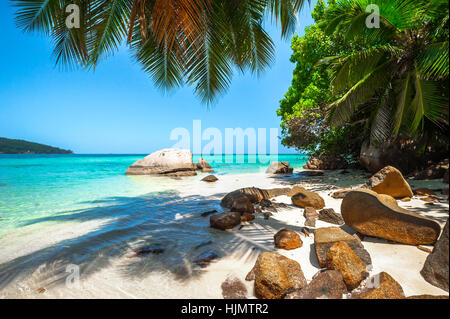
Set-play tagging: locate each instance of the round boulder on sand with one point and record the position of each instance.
(171, 162)
(210, 179)
(390, 181)
(287, 239)
(275, 275)
(304, 198)
(377, 216)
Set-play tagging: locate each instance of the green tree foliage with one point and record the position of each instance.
(399, 71)
(303, 108)
(9, 146)
(353, 83)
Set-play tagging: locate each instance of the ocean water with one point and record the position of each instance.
(36, 186)
(84, 210)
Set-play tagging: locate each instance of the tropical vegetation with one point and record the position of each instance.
(11, 146)
(382, 86)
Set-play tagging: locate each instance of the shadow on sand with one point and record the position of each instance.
(162, 220)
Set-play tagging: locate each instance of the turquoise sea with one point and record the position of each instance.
(59, 210)
(33, 187)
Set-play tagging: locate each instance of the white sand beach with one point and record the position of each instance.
(243, 245)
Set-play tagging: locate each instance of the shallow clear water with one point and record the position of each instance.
(33, 187)
(84, 210)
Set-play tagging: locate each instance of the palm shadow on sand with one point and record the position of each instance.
(127, 224)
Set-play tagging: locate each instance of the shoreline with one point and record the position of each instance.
(239, 247)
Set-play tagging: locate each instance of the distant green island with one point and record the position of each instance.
(10, 146)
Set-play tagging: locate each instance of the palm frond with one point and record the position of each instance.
(382, 123)
(433, 61)
(342, 109)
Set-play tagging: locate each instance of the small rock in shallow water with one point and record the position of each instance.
(146, 251)
(225, 220)
(205, 214)
(205, 259)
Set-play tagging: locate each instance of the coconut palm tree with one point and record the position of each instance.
(398, 73)
(198, 42)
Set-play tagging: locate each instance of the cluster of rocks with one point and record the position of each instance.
(171, 162)
(279, 168)
(326, 163)
(345, 264)
(434, 171)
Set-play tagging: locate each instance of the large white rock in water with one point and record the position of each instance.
(171, 161)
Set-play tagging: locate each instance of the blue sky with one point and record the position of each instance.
(117, 109)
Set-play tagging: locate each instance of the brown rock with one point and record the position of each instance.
(342, 258)
(390, 181)
(324, 285)
(225, 220)
(406, 199)
(330, 216)
(233, 288)
(381, 286)
(423, 191)
(445, 178)
(207, 170)
(251, 275)
(287, 239)
(325, 237)
(246, 217)
(275, 275)
(435, 269)
(201, 164)
(210, 179)
(255, 195)
(279, 168)
(242, 205)
(373, 215)
(310, 212)
(168, 162)
(340, 194)
(305, 198)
